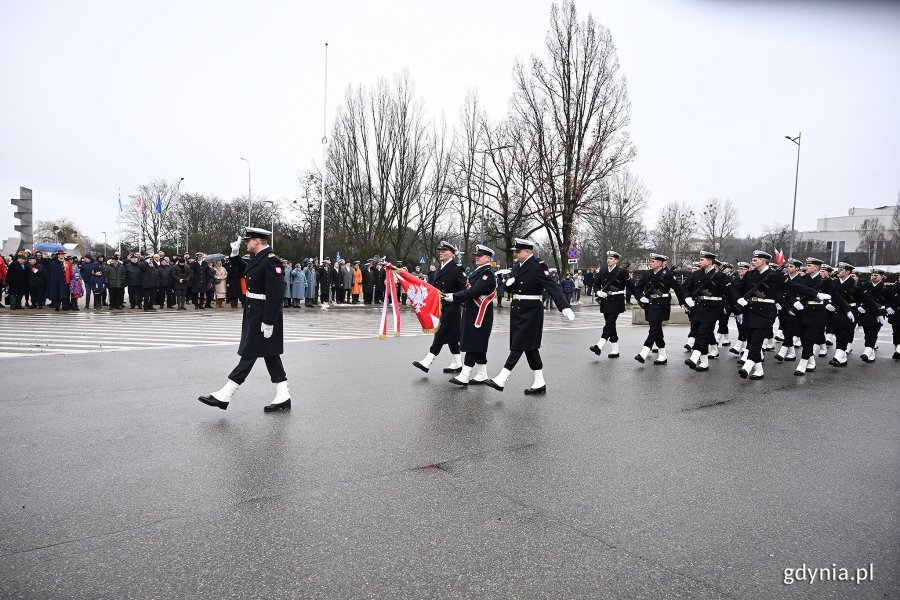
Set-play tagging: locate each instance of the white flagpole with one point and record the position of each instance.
(324, 170)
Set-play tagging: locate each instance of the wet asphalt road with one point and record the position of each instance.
(625, 481)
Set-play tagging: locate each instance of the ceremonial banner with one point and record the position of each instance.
(424, 297)
(779, 257)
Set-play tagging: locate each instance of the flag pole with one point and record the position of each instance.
(324, 170)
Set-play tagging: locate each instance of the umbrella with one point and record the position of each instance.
(214, 257)
(50, 247)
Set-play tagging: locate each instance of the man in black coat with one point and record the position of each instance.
(262, 329)
(707, 293)
(379, 276)
(477, 302)
(528, 280)
(199, 281)
(149, 280)
(656, 299)
(449, 279)
(37, 281)
(325, 281)
(368, 282)
(17, 282)
(612, 283)
(871, 309)
(133, 280)
(814, 312)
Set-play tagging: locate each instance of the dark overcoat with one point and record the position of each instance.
(480, 283)
(264, 275)
(702, 287)
(57, 288)
(656, 287)
(526, 317)
(871, 297)
(614, 283)
(449, 280)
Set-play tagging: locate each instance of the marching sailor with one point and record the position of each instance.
(815, 313)
(740, 346)
(611, 283)
(262, 330)
(477, 302)
(787, 316)
(872, 311)
(448, 279)
(528, 278)
(657, 303)
(892, 310)
(707, 292)
(722, 330)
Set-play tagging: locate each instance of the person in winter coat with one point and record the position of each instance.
(298, 286)
(165, 295)
(325, 281)
(133, 280)
(288, 277)
(568, 287)
(17, 282)
(337, 279)
(37, 282)
(312, 277)
(220, 277)
(3, 271)
(368, 282)
(181, 282)
(86, 269)
(379, 276)
(76, 285)
(356, 288)
(235, 268)
(98, 287)
(149, 280)
(579, 285)
(58, 285)
(114, 274)
(200, 281)
(346, 282)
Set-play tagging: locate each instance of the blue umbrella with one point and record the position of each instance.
(49, 247)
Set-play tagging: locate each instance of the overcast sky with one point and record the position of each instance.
(99, 96)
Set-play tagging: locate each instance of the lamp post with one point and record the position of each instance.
(795, 140)
(249, 197)
(484, 154)
(105, 245)
(174, 196)
(272, 241)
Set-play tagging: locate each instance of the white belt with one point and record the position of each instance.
(766, 300)
(711, 298)
(659, 295)
(813, 302)
(852, 304)
(527, 297)
(616, 293)
(256, 296)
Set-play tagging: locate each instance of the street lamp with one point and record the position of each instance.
(105, 245)
(174, 196)
(249, 197)
(272, 241)
(795, 140)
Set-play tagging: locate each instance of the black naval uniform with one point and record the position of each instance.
(615, 282)
(892, 301)
(838, 322)
(474, 339)
(814, 314)
(711, 291)
(759, 314)
(788, 316)
(449, 279)
(264, 275)
(871, 296)
(527, 281)
(656, 288)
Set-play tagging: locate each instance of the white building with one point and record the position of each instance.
(841, 234)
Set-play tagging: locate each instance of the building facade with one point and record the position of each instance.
(853, 234)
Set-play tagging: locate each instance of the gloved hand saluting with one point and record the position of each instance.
(569, 313)
(235, 246)
(267, 330)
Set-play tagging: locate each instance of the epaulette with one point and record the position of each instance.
(272, 255)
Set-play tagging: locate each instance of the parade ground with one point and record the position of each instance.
(624, 481)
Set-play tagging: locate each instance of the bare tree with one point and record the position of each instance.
(675, 226)
(892, 255)
(614, 217)
(468, 177)
(871, 236)
(148, 214)
(575, 105)
(63, 230)
(718, 224)
(775, 237)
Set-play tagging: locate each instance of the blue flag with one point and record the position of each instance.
(158, 204)
(120, 201)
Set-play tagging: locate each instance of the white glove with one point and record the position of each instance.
(685, 309)
(510, 281)
(890, 311)
(235, 247)
(882, 321)
(742, 302)
(851, 317)
(830, 307)
(798, 305)
(602, 294)
(644, 300)
(570, 315)
(448, 297)
(861, 310)
(823, 297)
(739, 318)
(690, 302)
(267, 330)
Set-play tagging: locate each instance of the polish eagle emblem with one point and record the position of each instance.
(417, 295)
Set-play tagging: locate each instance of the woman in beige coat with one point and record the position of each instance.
(220, 274)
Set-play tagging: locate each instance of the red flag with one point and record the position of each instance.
(779, 257)
(142, 204)
(424, 298)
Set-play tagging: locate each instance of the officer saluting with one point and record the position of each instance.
(477, 302)
(262, 333)
(529, 277)
(448, 279)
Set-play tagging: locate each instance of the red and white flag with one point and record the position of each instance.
(779, 257)
(424, 298)
(142, 204)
